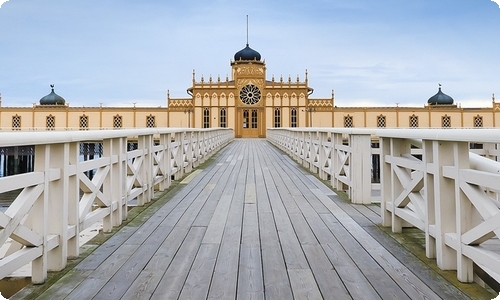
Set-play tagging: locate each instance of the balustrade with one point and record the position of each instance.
(430, 179)
(58, 200)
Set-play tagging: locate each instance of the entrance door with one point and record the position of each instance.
(250, 122)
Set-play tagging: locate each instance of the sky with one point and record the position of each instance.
(371, 53)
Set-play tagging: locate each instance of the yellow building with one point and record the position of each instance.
(249, 103)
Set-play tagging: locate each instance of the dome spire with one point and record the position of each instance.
(247, 54)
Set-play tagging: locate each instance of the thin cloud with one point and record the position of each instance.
(497, 2)
(2, 2)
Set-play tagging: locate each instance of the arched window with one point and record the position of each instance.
(348, 121)
(413, 121)
(254, 118)
(16, 122)
(51, 122)
(293, 121)
(446, 121)
(381, 121)
(117, 122)
(478, 121)
(246, 119)
(206, 117)
(150, 121)
(84, 122)
(277, 117)
(223, 118)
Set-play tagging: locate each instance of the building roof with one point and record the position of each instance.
(52, 98)
(440, 98)
(247, 53)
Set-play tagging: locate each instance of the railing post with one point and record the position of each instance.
(444, 190)
(464, 220)
(179, 155)
(113, 188)
(199, 155)
(336, 162)
(189, 152)
(145, 143)
(385, 180)
(71, 169)
(360, 166)
(429, 191)
(166, 160)
(322, 146)
(50, 213)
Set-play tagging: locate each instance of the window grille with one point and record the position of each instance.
(254, 118)
(277, 117)
(381, 121)
(206, 117)
(117, 121)
(478, 121)
(84, 122)
(51, 122)
(16, 122)
(150, 121)
(348, 121)
(223, 118)
(293, 122)
(446, 121)
(413, 121)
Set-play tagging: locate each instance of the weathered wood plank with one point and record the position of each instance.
(119, 283)
(147, 280)
(250, 233)
(250, 280)
(91, 285)
(65, 285)
(174, 277)
(200, 275)
(367, 259)
(225, 278)
(329, 282)
(216, 227)
(276, 282)
(303, 284)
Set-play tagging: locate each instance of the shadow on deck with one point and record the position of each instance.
(251, 223)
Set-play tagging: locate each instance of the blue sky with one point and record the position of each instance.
(376, 53)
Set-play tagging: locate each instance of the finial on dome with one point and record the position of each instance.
(52, 87)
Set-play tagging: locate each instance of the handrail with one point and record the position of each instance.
(429, 179)
(58, 200)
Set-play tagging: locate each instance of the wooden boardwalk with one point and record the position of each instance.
(252, 225)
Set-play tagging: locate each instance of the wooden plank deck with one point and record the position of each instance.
(252, 225)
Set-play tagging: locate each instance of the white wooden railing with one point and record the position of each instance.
(340, 155)
(58, 200)
(451, 193)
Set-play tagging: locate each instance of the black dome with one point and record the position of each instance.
(52, 98)
(440, 98)
(247, 54)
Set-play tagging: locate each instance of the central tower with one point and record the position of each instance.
(249, 76)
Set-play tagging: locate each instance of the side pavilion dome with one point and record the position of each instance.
(52, 98)
(440, 98)
(247, 53)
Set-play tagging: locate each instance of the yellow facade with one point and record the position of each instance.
(249, 103)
